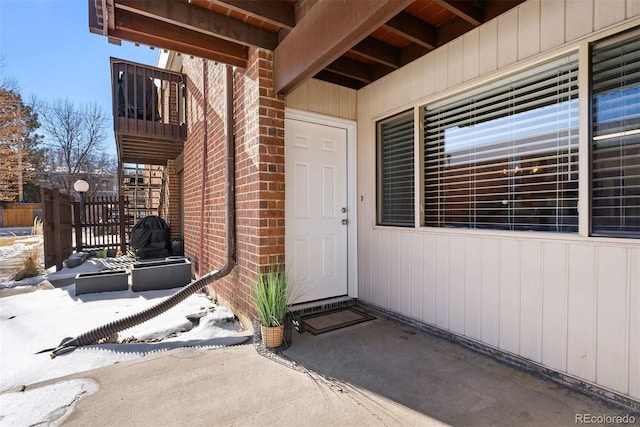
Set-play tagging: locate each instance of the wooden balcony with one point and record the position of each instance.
(148, 112)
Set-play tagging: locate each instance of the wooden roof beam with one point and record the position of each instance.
(141, 29)
(464, 9)
(302, 54)
(352, 69)
(339, 80)
(379, 52)
(201, 20)
(276, 13)
(452, 30)
(414, 29)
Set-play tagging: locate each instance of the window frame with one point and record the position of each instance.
(603, 43)
(380, 196)
(570, 58)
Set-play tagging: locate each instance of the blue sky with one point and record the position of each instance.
(47, 47)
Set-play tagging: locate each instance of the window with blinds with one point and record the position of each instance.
(396, 170)
(615, 179)
(505, 156)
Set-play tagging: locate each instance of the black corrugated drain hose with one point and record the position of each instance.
(104, 331)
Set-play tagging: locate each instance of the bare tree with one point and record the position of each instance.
(7, 82)
(76, 137)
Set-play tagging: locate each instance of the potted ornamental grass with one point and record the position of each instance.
(271, 300)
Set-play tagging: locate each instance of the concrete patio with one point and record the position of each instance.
(381, 372)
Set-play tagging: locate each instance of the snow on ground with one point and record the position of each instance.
(49, 405)
(19, 246)
(34, 321)
(39, 320)
(13, 250)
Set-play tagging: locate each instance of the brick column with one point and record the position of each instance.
(260, 187)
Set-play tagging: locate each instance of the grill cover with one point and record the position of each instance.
(150, 238)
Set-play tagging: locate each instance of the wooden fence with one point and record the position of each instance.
(20, 214)
(57, 218)
(103, 223)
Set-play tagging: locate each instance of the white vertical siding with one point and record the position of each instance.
(551, 24)
(384, 260)
(608, 12)
(488, 47)
(531, 300)
(429, 279)
(571, 306)
(394, 257)
(429, 69)
(443, 249)
(582, 307)
(471, 55)
(508, 38)
(554, 305)
(324, 98)
(578, 18)
(490, 301)
(417, 281)
(633, 8)
(509, 310)
(529, 29)
(440, 69)
(611, 317)
(454, 62)
(473, 288)
(405, 278)
(456, 286)
(569, 302)
(634, 323)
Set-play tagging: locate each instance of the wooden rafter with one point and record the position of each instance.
(464, 9)
(352, 69)
(274, 12)
(302, 54)
(413, 29)
(379, 52)
(452, 30)
(142, 29)
(338, 79)
(201, 20)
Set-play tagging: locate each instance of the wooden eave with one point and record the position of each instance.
(350, 43)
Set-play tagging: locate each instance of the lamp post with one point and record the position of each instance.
(81, 186)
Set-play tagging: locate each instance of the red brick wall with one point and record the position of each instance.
(259, 150)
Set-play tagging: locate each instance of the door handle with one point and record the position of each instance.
(345, 221)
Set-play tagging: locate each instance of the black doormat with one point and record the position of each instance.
(319, 323)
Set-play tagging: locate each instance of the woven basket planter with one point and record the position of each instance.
(272, 336)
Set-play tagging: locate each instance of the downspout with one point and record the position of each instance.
(205, 158)
(92, 336)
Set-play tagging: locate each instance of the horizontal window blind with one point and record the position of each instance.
(506, 157)
(396, 171)
(615, 203)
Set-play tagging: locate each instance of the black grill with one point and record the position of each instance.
(150, 238)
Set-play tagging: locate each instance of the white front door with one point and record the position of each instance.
(316, 210)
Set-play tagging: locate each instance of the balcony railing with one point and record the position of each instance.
(148, 112)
